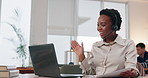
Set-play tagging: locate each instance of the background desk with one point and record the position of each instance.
(146, 70)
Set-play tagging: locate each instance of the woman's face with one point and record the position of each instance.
(104, 26)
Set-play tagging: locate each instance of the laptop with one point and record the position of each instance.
(45, 63)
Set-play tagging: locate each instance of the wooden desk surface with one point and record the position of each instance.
(25, 70)
(145, 68)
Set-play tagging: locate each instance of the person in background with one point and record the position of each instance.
(143, 55)
(112, 53)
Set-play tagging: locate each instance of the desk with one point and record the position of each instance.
(24, 70)
(145, 68)
(34, 76)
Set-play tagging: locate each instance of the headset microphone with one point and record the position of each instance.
(107, 35)
(105, 38)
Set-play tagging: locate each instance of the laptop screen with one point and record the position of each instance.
(44, 60)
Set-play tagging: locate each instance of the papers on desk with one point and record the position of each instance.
(113, 74)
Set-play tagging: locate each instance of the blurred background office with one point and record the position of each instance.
(60, 21)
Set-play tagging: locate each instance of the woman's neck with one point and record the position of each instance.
(111, 38)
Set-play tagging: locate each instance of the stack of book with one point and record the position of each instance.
(8, 71)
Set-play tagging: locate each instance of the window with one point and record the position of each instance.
(61, 44)
(87, 25)
(17, 13)
(61, 24)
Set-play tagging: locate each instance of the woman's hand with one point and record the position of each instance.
(79, 50)
(129, 73)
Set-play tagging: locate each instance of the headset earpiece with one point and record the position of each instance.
(115, 27)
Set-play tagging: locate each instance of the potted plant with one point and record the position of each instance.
(21, 47)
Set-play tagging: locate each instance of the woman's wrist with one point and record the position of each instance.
(81, 57)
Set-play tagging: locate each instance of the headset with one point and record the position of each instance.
(115, 26)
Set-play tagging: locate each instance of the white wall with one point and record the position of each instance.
(138, 21)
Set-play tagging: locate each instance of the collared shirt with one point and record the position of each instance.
(108, 57)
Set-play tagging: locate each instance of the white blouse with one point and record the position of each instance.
(108, 57)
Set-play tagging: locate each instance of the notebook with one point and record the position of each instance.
(45, 63)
